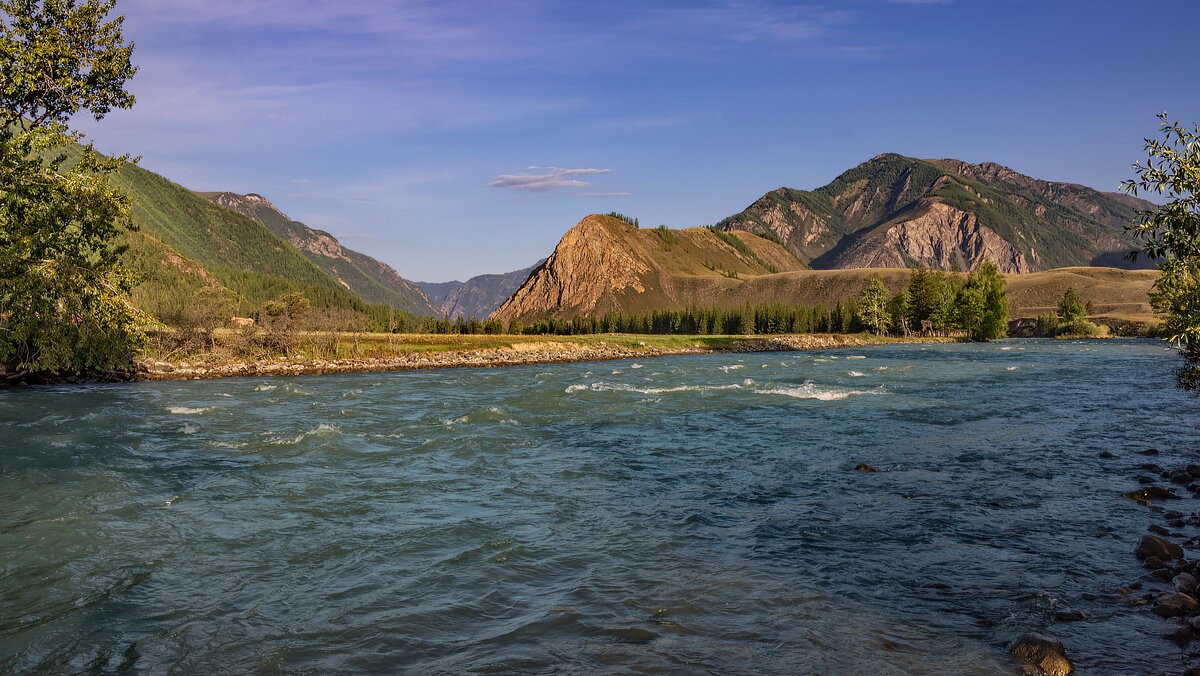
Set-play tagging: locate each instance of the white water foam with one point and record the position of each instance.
(622, 387)
(635, 366)
(855, 356)
(727, 369)
(810, 390)
(856, 374)
(319, 431)
(265, 388)
(184, 410)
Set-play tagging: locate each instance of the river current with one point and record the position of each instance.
(692, 514)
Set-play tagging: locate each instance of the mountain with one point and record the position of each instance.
(437, 292)
(895, 212)
(184, 243)
(372, 280)
(604, 264)
(479, 296)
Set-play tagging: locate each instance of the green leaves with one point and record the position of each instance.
(64, 298)
(58, 58)
(1171, 234)
(871, 309)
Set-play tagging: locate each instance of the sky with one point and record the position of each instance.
(451, 138)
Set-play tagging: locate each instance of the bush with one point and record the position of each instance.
(1047, 325)
(1082, 329)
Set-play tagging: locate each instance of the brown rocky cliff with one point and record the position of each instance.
(589, 262)
(937, 236)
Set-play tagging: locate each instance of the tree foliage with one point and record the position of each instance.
(1171, 233)
(988, 299)
(871, 308)
(1071, 309)
(64, 304)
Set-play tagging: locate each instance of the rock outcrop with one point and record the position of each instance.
(937, 236)
(588, 263)
(1041, 656)
(896, 211)
(481, 295)
(603, 264)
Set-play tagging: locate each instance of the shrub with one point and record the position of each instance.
(1082, 329)
(1047, 325)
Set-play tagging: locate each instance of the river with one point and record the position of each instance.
(690, 514)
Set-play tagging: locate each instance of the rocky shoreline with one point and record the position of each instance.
(1171, 588)
(547, 352)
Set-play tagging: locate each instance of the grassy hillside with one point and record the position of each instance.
(184, 243)
(1113, 292)
(371, 280)
(604, 264)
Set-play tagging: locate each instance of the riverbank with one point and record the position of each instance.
(439, 351)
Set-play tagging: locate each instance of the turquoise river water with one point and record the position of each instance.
(695, 514)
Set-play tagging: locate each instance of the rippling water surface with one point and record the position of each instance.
(683, 514)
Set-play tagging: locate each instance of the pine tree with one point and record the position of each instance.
(1071, 309)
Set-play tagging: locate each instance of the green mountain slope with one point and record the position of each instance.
(372, 280)
(184, 242)
(897, 211)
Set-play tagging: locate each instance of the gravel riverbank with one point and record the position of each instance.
(534, 352)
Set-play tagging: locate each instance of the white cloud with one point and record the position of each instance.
(551, 178)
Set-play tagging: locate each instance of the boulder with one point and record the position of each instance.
(1041, 655)
(1181, 476)
(1158, 493)
(1194, 470)
(864, 467)
(1174, 604)
(1070, 615)
(1182, 635)
(1152, 545)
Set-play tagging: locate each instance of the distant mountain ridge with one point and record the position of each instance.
(479, 296)
(370, 279)
(896, 211)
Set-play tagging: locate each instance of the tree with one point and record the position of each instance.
(281, 321)
(871, 308)
(1171, 234)
(1071, 309)
(900, 308)
(992, 320)
(64, 297)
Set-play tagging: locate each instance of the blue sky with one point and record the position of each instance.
(458, 138)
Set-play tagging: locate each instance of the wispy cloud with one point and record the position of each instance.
(550, 178)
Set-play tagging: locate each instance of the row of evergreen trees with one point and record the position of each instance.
(933, 302)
